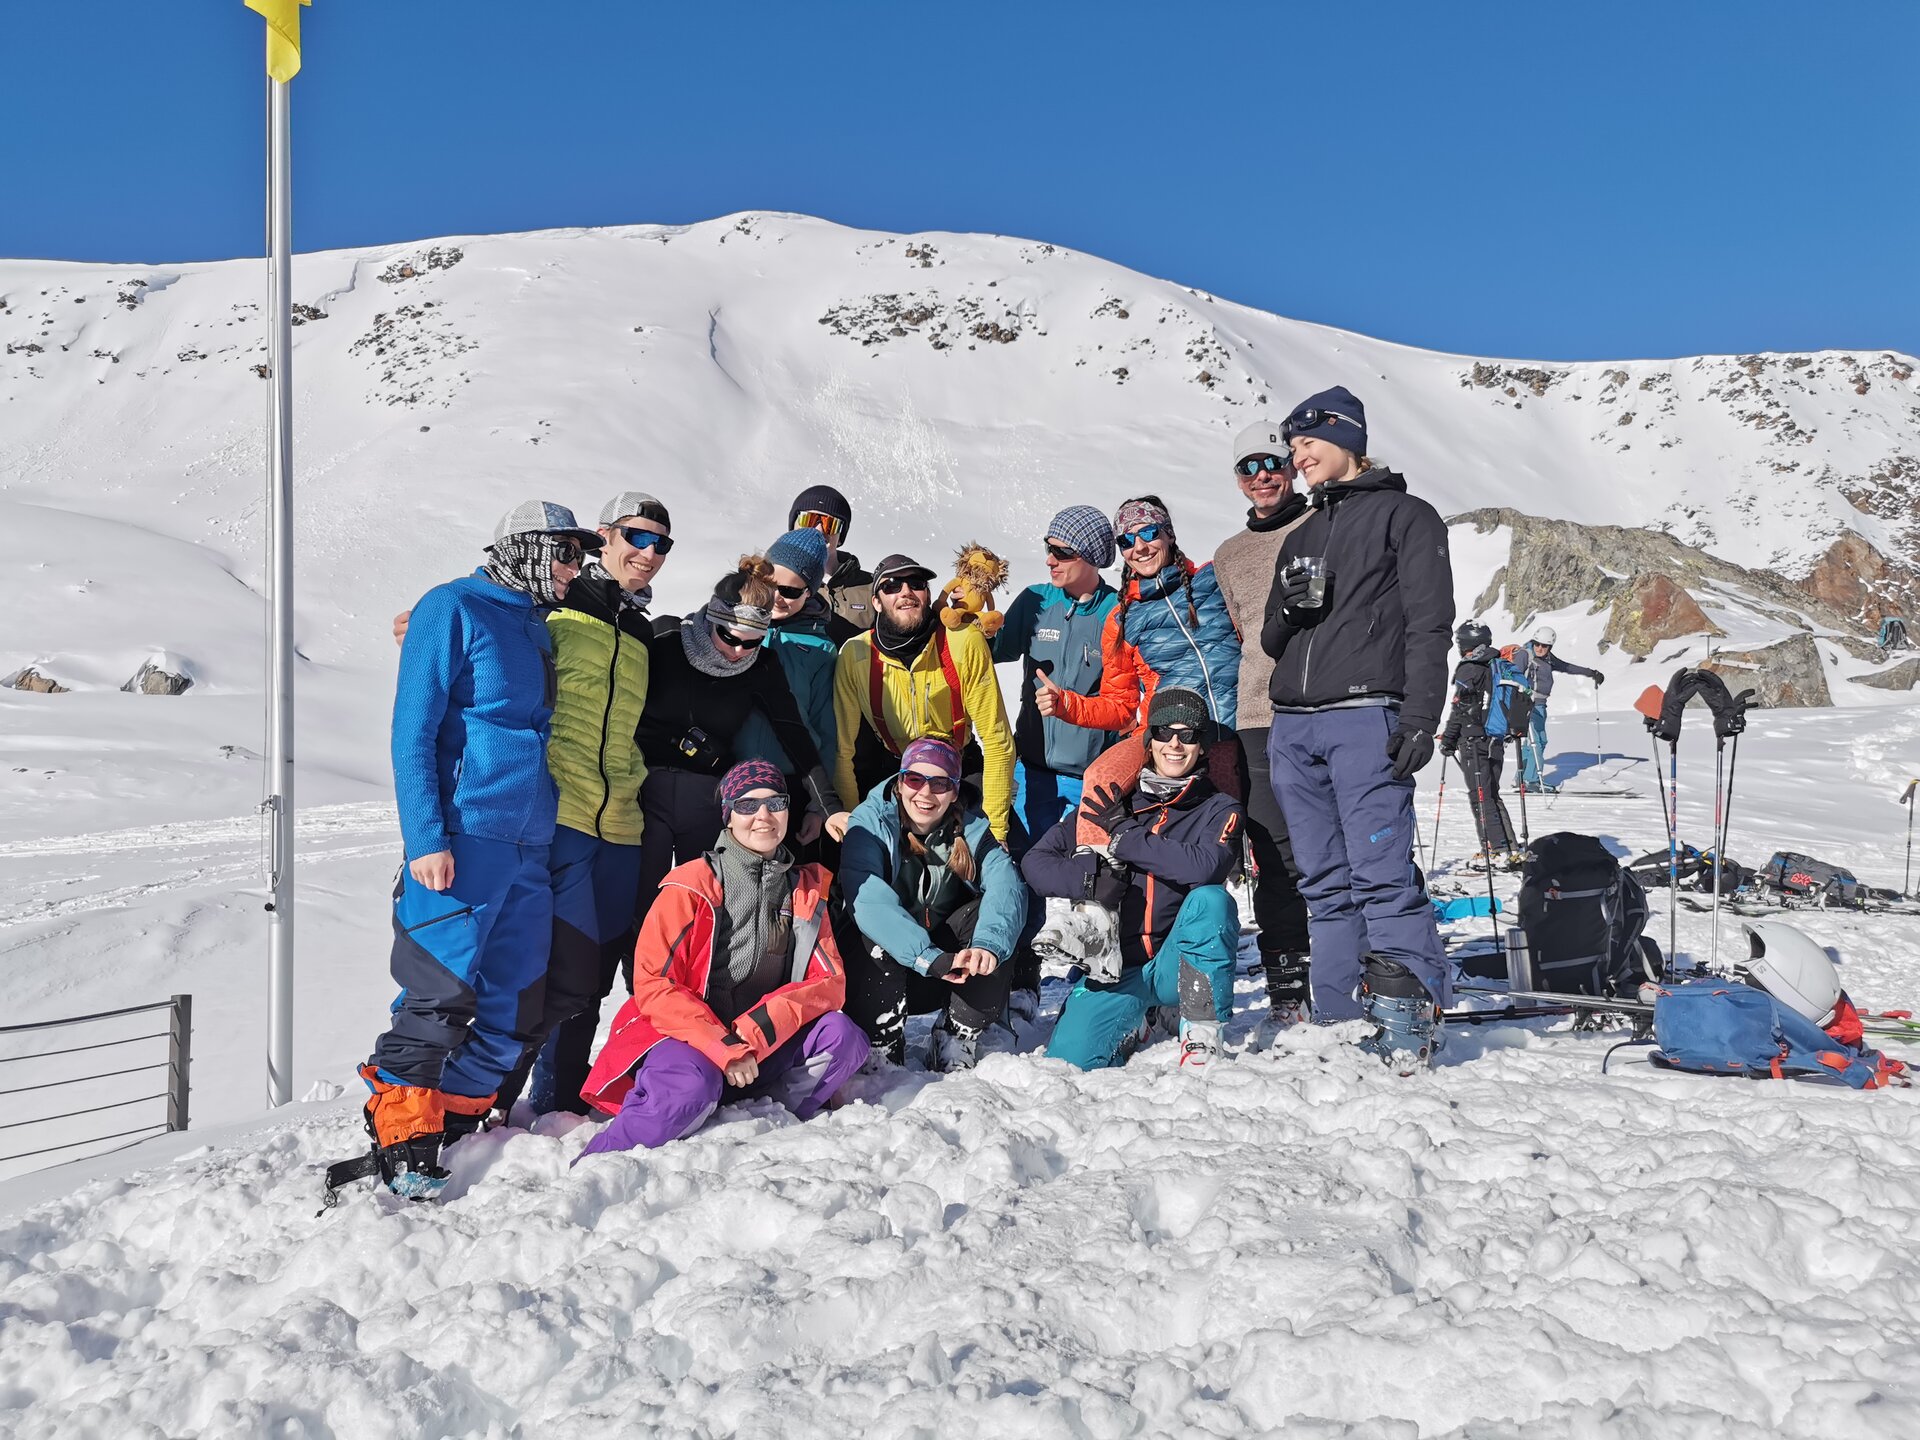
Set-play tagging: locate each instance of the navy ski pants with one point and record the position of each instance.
(1352, 829)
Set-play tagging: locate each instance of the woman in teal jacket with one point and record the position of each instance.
(802, 642)
(938, 904)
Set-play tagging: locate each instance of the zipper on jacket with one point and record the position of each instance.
(606, 718)
(1206, 672)
(1306, 659)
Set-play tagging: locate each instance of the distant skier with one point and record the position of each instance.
(1357, 624)
(1243, 564)
(848, 588)
(1539, 664)
(1481, 755)
(473, 914)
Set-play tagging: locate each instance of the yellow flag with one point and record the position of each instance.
(283, 35)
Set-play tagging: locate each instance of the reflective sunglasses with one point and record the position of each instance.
(646, 539)
(1062, 552)
(938, 784)
(1302, 421)
(567, 550)
(1180, 734)
(790, 592)
(831, 526)
(1145, 535)
(754, 804)
(739, 642)
(1272, 464)
(894, 584)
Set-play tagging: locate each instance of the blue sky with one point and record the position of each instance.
(1607, 179)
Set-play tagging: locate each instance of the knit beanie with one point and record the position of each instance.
(1137, 514)
(1175, 705)
(1087, 531)
(804, 552)
(929, 750)
(1342, 419)
(749, 775)
(824, 500)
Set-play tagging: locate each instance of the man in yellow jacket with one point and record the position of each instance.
(909, 677)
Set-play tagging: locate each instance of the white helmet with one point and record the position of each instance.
(1792, 969)
(1544, 635)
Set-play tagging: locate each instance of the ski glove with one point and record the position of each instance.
(1293, 590)
(1409, 749)
(1448, 744)
(1108, 884)
(1598, 678)
(1107, 807)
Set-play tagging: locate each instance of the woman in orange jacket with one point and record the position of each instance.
(737, 984)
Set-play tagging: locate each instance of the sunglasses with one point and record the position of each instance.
(894, 584)
(832, 526)
(754, 804)
(790, 592)
(739, 642)
(1145, 535)
(938, 784)
(1062, 552)
(1175, 734)
(1271, 464)
(646, 539)
(1302, 421)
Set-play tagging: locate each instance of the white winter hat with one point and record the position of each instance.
(1544, 636)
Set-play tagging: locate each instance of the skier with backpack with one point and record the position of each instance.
(1477, 729)
(1538, 665)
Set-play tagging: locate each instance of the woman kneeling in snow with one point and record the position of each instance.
(736, 983)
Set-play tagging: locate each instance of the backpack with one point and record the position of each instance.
(1802, 875)
(1582, 916)
(1716, 1027)
(1509, 701)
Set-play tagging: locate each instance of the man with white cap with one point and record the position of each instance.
(1538, 662)
(1244, 565)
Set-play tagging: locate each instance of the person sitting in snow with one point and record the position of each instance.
(1172, 845)
(938, 903)
(737, 984)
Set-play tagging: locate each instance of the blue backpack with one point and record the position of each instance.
(1718, 1027)
(1507, 692)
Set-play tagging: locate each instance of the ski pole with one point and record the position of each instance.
(1673, 851)
(1486, 854)
(1596, 722)
(1719, 847)
(1526, 830)
(1434, 849)
(1906, 880)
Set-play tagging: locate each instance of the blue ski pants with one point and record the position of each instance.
(1533, 757)
(471, 962)
(1352, 828)
(1193, 969)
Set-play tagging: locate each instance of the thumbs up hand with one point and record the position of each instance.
(1044, 691)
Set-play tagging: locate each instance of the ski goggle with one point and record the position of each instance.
(739, 642)
(1062, 552)
(1175, 734)
(894, 584)
(646, 539)
(831, 526)
(753, 804)
(1145, 535)
(937, 784)
(790, 592)
(1301, 421)
(1271, 464)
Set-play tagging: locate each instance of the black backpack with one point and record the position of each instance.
(1582, 915)
(1802, 876)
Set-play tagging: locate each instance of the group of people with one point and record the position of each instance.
(801, 814)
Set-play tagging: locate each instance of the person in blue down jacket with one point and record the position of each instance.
(938, 903)
(473, 911)
(1359, 673)
(1173, 843)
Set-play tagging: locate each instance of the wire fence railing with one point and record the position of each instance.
(60, 1107)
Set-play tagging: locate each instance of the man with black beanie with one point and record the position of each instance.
(848, 588)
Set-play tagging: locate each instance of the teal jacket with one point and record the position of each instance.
(870, 859)
(1045, 627)
(807, 657)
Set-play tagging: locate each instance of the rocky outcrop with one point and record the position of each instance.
(1783, 675)
(1653, 609)
(1901, 677)
(32, 679)
(161, 675)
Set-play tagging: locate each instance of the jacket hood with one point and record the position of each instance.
(1367, 480)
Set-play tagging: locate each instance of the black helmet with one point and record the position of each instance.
(1472, 635)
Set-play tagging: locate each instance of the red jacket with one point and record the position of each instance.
(671, 966)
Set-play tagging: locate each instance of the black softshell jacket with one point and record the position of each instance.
(1387, 626)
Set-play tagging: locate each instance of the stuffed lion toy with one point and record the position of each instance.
(967, 599)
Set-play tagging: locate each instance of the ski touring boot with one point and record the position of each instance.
(954, 1045)
(1406, 1023)
(1201, 1040)
(1083, 934)
(1289, 994)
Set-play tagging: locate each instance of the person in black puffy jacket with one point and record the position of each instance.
(1360, 654)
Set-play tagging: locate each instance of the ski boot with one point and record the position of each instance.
(1085, 935)
(1406, 1022)
(1199, 1043)
(955, 1045)
(1288, 992)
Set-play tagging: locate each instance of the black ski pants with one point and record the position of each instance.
(1481, 760)
(881, 993)
(1278, 907)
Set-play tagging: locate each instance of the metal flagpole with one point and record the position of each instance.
(279, 775)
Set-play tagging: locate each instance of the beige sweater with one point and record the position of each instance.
(1244, 566)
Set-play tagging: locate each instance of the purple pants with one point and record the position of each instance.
(677, 1088)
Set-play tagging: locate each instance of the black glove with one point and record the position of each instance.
(1410, 748)
(1109, 885)
(1598, 678)
(1107, 807)
(1293, 590)
(1448, 744)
